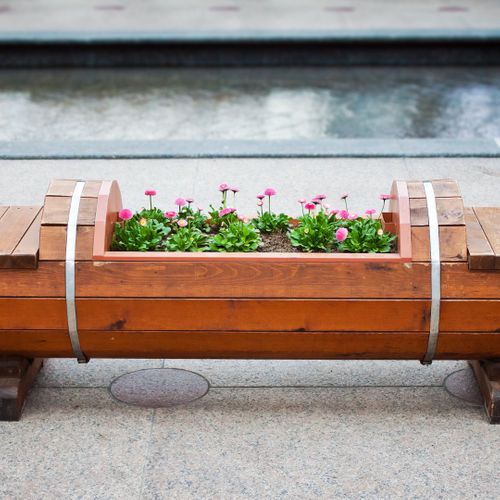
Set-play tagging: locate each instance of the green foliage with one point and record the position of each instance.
(314, 234)
(140, 235)
(236, 237)
(366, 236)
(195, 218)
(150, 214)
(217, 221)
(269, 222)
(186, 239)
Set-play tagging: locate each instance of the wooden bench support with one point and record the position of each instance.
(17, 375)
(487, 373)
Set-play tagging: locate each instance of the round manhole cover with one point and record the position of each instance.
(463, 385)
(159, 387)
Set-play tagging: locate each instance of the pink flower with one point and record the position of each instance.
(234, 189)
(150, 192)
(353, 216)
(226, 211)
(310, 206)
(341, 234)
(370, 211)
(343, 214)
(224, 187)
(316, 201)
(260, 203)
(344, 196)
(200, 209)
(243, 219)
(385, 197)
(170, 215)
(182, 223)
(320, 197)
(270, 192)
(260, 196)
(189, 200)
(334, 211)
(180, 202)
(326, 206)
(301, 201)
(125, 214)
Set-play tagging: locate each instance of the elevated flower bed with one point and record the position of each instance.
(252, 305)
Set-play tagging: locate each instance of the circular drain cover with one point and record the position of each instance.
(159, 387)
(463, 385)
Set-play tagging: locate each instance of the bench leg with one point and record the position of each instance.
(487, 373)
(17, 375)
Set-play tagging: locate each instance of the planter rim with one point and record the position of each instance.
(109, 203)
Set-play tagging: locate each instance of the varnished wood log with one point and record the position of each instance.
(249, 314)
(249, 345)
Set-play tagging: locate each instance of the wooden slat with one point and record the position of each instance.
(252, 279)
(56, 211)
(480, 253)
(249, 314)
(489, 218)
(233, 280)
(450, 212)
(53, 242)
(64, 187)
(452, 244)
(443, 188)
(25, 255)
(3, 210)
(250, 345)
(13, 226)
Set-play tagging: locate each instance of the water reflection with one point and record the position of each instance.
(290, 103)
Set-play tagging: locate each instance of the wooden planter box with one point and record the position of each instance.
(247, 306)
(258, 305)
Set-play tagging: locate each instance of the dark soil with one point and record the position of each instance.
(276, 242)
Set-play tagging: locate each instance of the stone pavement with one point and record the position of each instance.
(246, 16)
(266, 429)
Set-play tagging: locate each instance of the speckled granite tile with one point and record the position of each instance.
(96, 373)
(229, 373)
(74, 443)
(323, 443)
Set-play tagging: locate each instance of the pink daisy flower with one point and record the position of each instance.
(223, 187)
(170, 215)
(182, 223)
(385, 197)
(270, 192)
(309, 206)
(125, 214)
(370, 211)
(180, 202)
(343, 214)
(150, 192)
(341, 234)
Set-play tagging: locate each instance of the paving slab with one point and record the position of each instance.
(24, 181)
(316, 373)
(323, 443)
(67, 373)
(74, 444)
(197, 16)
(97, 373)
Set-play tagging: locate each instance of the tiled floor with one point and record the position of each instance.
(265, 430)
(246, 15)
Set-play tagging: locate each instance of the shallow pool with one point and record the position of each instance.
(250, 103)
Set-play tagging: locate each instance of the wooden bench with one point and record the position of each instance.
(248, 306)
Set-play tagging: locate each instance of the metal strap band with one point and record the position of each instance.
(70, 272)
(435, 273)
